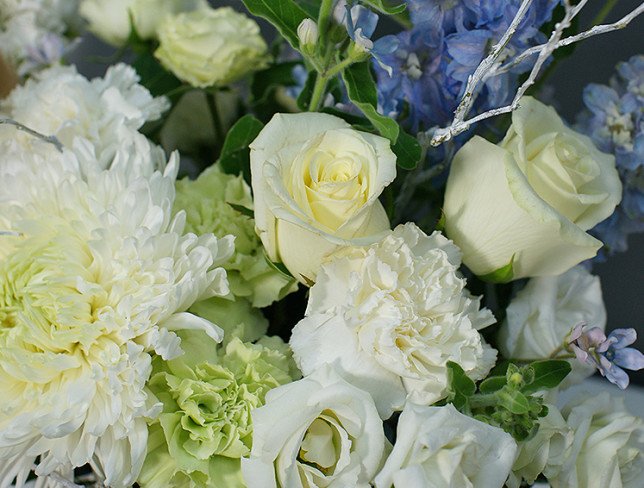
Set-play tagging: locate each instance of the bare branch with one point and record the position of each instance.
(48, 139)
(488, 69)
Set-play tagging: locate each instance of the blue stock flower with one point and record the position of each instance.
(449, 39)
(608, 354)
(614, 119)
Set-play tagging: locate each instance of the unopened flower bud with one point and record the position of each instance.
(307, 32)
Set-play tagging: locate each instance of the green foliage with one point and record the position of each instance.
(501, 275)
(408, 151)
(235, 155)
(507, 399)
(386, 7)
(362, 92)
(285, 15)
(266, 81)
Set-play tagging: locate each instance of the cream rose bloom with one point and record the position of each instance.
(316, 432)
(390, 317)
(531, 198)
(316, 183)
(607, 446)
(112, 20)
(543, 313)
(439, 447)
(211, 47)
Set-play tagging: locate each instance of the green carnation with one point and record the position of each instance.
(214, 203)
(206, 427)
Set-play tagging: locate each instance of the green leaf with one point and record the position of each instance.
(501, 275)
(266, 81)
(440, 225)
(354, 120)
(155, 77)
(279, 267)
(362, 92)
(492, 384)
(235, 155)
(385, 7)
(243, 210)
(285, 15)
(407, 150)
(304, 98)
(547, 374)
(460, 385)
(514, 401)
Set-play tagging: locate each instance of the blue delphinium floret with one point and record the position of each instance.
(614, 119)
(608, 354)
(448, 40)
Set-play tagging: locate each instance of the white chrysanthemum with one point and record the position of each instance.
(61, 102)
(392, 315)
(97, 280)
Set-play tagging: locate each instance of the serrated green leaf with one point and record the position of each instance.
(235, 155)
(502, 275)
(362, 92)
(285, 15)
(492, 384)
(547, 374)
(407, 150)
(514, 401)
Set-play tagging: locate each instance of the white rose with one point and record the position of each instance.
(531, 198)
(545, 452)
(544, 312)
(211, 47)
(390, 317)
(439, 447)
(607, 447)
(316, 432)
(112, 20)
(316, 183)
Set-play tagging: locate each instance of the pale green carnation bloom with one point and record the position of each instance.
(212, 204)
(206, 426)
(211, 47)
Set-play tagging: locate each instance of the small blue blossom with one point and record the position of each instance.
(361, 24)
(449, 39)
(608, 354)
(614, 119)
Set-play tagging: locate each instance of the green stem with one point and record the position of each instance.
(341, 66)
(211, 98)
(482, 400)
(603, 13)
(324, 19)
(318, 92)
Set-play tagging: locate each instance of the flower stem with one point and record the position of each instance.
(318, 92)
(324, 19)
(211, 97)
(603, 13)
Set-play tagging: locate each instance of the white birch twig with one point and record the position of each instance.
(49, 139)
(488, 69)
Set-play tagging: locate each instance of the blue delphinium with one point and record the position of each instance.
(614, 119)
(448, 40)
(608, 354)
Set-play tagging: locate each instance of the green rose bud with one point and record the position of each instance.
(211, 47)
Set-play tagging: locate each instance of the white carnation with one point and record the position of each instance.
(391, 315)
(95, 281)
(32, 32)
(439, 447)
(544, 312)
(319, 431)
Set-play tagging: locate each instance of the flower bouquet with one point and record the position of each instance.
(278, 245)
